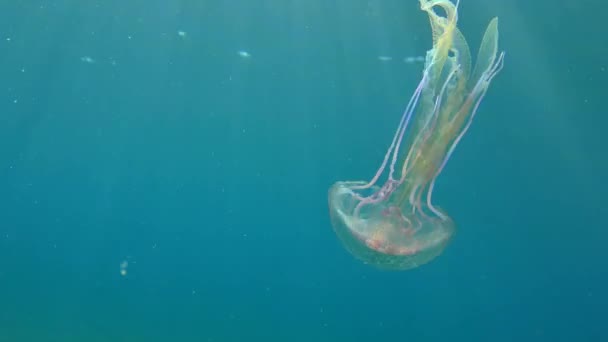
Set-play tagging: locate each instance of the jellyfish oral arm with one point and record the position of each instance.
(481, 88)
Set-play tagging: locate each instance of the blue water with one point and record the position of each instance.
(164, 168)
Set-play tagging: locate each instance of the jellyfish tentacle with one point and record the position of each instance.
(403, 123)
(411, 106)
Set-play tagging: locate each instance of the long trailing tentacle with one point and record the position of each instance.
(403, 124)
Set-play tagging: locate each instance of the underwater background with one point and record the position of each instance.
(164, 168)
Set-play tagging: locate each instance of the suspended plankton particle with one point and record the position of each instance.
(123, 268)
(385, 58)
(87, 59)
(244, 54)
(181, 33)
(413, 59)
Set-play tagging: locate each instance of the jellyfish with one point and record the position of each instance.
(390, 221)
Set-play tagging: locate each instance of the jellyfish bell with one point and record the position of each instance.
(381, 235)
(393, 224)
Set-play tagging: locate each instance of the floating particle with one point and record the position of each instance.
(244, 54)
(385, 58)
(413, 59)
(123, 268)
(87, 59)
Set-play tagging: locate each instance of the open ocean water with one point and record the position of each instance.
(164, 168)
